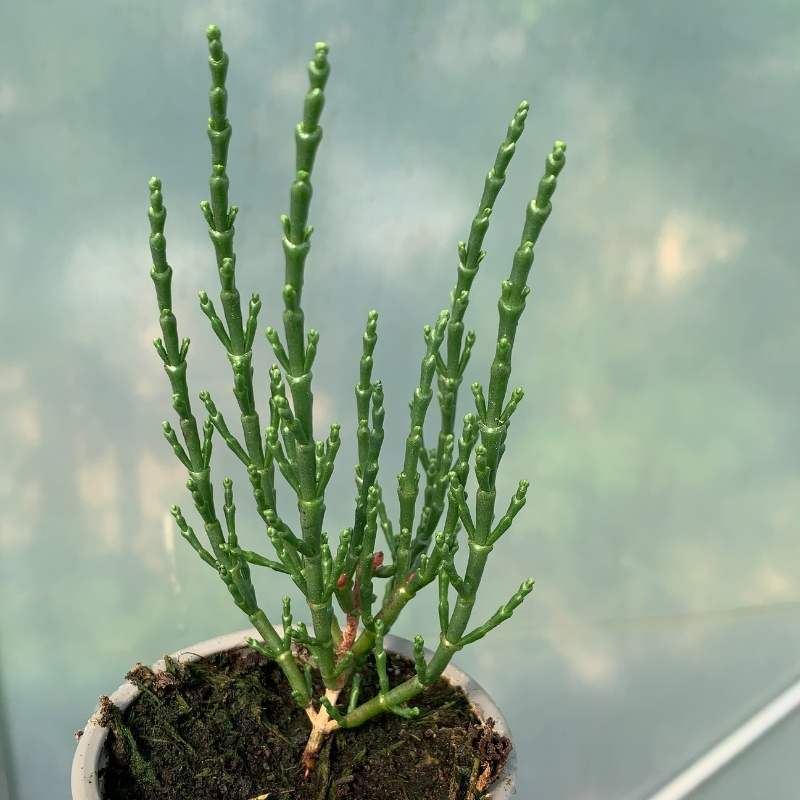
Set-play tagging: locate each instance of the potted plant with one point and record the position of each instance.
(339, 708)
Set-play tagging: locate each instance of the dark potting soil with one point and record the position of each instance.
(226, 727)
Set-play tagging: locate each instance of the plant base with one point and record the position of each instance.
(226, 727)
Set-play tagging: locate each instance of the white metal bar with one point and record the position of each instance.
(732, 746)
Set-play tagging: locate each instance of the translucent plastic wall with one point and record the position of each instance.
(659, 350)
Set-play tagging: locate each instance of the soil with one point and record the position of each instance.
(226, 727)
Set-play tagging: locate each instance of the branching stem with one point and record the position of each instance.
(420, 553)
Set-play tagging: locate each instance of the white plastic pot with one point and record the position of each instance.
(90, 754)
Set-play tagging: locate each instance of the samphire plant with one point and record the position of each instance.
(422, 543)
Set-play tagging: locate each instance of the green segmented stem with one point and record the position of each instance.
(408, 479)
(470, 257)
(370, 440)
(355, 690)
(232, 568)
(238, 337)
(515, 289)
(191, 538)
(363, 388)
(260, 561)
(218, 421)
(173, 356)
(514, 507)
(368, 396)
(367, 562)
(240, 564)
(385, 521)
(172, 353)
(501, 615)
(419, 658)
(459, 348)
(385, 699)
(177, 447)
(492, 428)
(425, 569)
(297, 359)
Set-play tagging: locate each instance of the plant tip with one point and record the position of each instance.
(213, 33)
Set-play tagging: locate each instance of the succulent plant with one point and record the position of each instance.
(422, 545)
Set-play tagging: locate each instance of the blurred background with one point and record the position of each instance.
(660, 429)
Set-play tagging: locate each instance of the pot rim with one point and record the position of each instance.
(89, 756)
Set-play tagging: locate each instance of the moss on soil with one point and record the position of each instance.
(226, 727)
